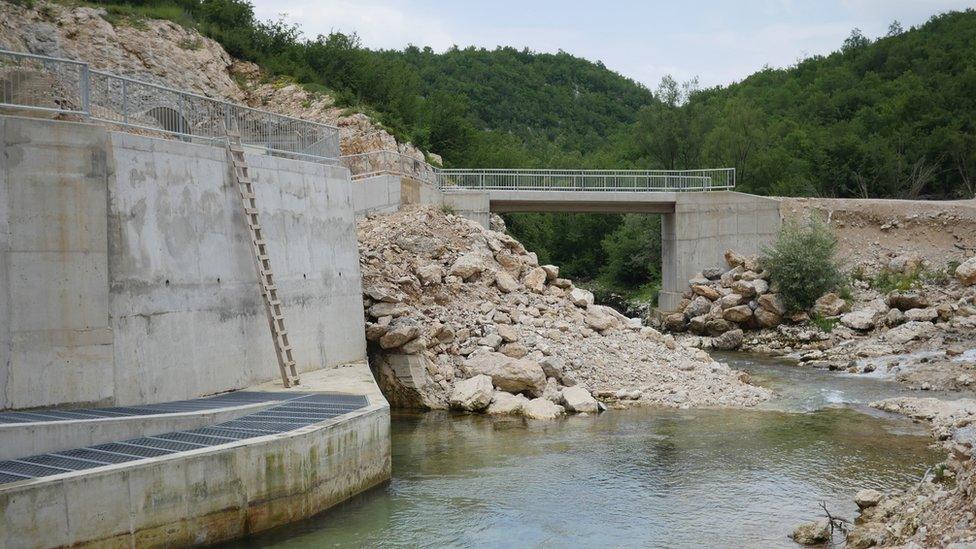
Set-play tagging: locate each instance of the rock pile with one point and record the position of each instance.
(919, 335)
(464, 317)
(939, 511)
(723, 303)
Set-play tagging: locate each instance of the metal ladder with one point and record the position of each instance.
(269, 290)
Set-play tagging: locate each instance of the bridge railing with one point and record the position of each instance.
(588, 180)
(392, 162)
(62, 86)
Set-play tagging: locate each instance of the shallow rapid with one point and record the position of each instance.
(642, 477)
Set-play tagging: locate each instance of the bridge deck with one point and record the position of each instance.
(582, 201)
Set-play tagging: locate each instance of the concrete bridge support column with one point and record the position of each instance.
(702, 227)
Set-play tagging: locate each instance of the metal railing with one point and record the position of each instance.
(47, 84)
(391, 162)
(588, 180)
(63, 86)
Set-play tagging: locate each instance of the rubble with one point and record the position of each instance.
(464, 301)
(903, 333)
(939, 511)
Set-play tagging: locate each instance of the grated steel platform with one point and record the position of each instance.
(225, 400)
(295, 411)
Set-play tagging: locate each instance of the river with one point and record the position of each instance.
(642, 477)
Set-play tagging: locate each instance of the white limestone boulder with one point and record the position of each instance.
(472, 395)
(503, 403)
(541, 408)
(578, 399)
(513, 375)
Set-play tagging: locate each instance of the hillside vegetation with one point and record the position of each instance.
(890, 117)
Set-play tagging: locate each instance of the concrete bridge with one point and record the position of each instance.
(702, 216)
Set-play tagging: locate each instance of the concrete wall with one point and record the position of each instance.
(387, 193)
(413, 191)
(202, 496)
(473, 205)
(55, 336)
(378, 194)
(702, 227)
(127, 277)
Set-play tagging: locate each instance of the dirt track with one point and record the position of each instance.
(938, 231)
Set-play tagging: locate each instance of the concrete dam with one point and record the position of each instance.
(130, 299)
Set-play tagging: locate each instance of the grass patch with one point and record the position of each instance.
(825, 324)
(136, 16)
(886, 281)
(448, 209)
(191, 44)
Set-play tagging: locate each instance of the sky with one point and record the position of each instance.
(719, 42)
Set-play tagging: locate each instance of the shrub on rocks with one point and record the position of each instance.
(801, 264)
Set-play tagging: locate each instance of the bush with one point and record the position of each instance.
(801, 263)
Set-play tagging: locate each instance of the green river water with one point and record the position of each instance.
(636, 478)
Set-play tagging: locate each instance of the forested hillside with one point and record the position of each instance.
(889, 117)
(894, 117)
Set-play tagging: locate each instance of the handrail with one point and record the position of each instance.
(369, 164)
(65, 86)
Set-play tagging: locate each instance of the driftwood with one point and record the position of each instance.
(840, 524)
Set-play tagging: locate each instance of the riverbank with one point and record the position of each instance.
(906, 309)
(906, 315)
(938, 511)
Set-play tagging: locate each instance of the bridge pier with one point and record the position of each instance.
(704, 225)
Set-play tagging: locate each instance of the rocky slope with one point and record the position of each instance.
(450, 303)
(923, 336)
(165, 53)
(940, 511)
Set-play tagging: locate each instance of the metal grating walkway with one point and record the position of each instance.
(297, 410)
(225, 400)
